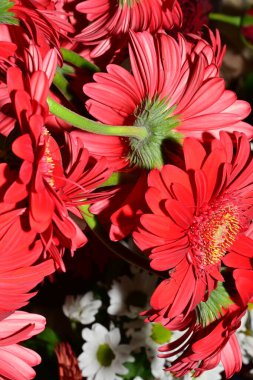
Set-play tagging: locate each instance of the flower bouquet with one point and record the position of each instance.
(126, 190)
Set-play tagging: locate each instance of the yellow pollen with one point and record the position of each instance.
(48, 159)
(215, 233)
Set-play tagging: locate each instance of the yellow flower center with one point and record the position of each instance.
(213, 232)
(47, 160)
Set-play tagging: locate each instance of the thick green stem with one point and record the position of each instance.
(88, 125)
(78, 61)
(232, 20)
(62, 85)
(114, 180)
(247, 20)
(116, 248)
(66, 69)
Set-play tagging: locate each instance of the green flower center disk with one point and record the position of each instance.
(128, 3)
(105, 355)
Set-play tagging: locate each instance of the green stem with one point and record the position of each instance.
(66, 69)
(78, 61)
(88, 125)
(247, 20)
(116, 248)
(62, 85)
(120, 178)
(114, 180)
(232, 20)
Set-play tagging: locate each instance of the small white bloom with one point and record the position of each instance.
(151, 336)
(130, 295)
(157, 369)
(245, 338)
(103, 357)
(81, 308)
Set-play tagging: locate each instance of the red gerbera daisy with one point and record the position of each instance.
(111, 20)
(174, 88)
(16, 361)
(202, 348)
(41, 181)
(195, 14)
(32, 62)
(40, 22)
(20, 270)
(199, 220)
(67, 362)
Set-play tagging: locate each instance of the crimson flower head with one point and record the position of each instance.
(67, 362)
(46, 183)
(202, 348)
(16, 361)
(111, 20)
(39, 22)
(174, 91)
(20, 270)
(247, 27)
(199, 223)
(195, 14)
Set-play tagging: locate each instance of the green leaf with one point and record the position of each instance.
(140, 367)
(44, 344)
(7, 17)
(213, 308)
(49, 336)
(48, 339)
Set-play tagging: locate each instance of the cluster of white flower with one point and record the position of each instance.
(245, 337)
(82, 309)
(108, 351)
(103, 356)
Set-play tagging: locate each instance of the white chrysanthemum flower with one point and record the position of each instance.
(130, 295)
(82, 309)
(245, 338)
(147, 335)
(103, 357)
(151, 336)
(157, 369)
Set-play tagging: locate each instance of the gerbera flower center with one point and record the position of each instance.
(47, 164)
(128, 3)
(160, 334)
(156, 116)
(105, 355)
(213, 232)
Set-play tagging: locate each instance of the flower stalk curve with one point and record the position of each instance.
(88, 125)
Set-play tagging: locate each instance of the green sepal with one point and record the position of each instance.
(157, 118)
(7, 17)
(214, 307)
(128, 3)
